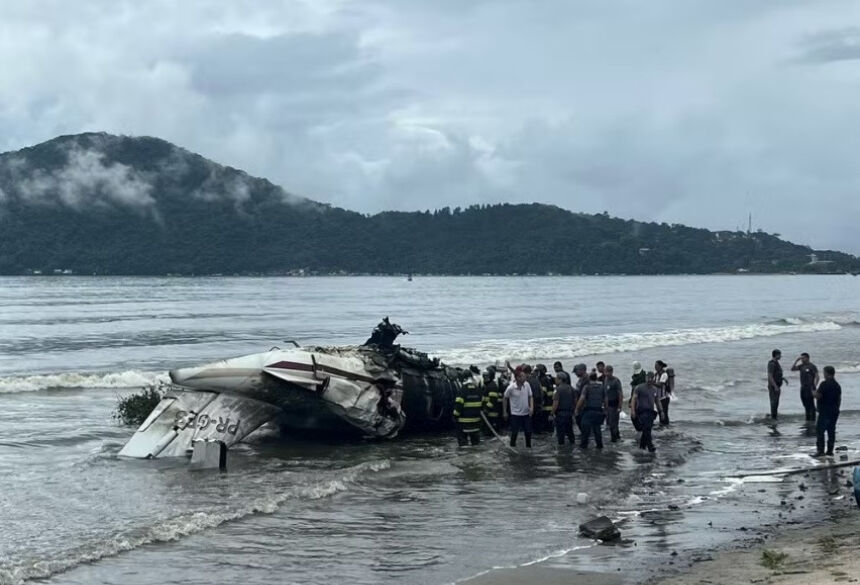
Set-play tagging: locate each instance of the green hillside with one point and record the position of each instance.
(103, 204)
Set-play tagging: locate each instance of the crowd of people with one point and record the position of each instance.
(530, 400)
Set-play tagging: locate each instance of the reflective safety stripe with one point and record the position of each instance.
(548, 408)
(459, 399)
(470, 430)
(469, 420)
(472, 405)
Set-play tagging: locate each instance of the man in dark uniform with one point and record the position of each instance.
(642, 404)
(614, 398)
(592, 405)
(775, 381)
(829, 396)
(580, 373)
(808, 383)
(467, 413)
(492, 400)
(562, 408)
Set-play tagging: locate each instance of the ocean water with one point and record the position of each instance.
(418, 509)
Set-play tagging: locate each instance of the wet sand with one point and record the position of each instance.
(824, 554)
(539, 574)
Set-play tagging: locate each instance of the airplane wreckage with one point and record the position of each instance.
(373, 390)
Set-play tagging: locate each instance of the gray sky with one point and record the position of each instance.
(691, 111)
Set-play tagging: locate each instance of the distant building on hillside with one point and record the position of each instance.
(814, 261)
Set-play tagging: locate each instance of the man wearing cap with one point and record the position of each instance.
(520, 403)
(775, 380)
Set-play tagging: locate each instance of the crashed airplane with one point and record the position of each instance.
(373, 390)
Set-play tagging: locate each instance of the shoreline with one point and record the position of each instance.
(814, 540)
(822, 553)
(311, 274)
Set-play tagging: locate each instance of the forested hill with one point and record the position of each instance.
(103, 204)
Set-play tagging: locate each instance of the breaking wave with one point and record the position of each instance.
(76, 380)
(172, 529)
(584, 345)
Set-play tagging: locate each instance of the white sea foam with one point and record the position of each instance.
(576, 346)
(69, 380)
(172, 529)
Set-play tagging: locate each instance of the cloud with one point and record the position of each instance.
(696, 112)
(830, 46)
(83, 180)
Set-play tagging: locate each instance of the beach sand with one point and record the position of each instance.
(824, 554)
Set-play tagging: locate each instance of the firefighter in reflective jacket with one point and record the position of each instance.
(492, 400)
(467, 413)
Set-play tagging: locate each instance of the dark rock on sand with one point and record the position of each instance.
(601, 528)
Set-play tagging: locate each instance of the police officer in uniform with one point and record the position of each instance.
(467, 413)
(562, 408)
(592, 405)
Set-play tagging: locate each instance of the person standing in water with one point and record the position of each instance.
(808, 384)
(642, 406)
(492, 400)
(614, 398)
(592, 405)
(467, 413)
(520, 402)
(562, 408)
(829, 396)
(775, 381)
(661, 379)
(580, 371)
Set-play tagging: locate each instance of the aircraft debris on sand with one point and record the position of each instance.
(372, 390)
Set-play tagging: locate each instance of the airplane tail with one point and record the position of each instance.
(185, 416)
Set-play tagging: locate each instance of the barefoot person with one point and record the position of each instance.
(808, 383)
(829, 396)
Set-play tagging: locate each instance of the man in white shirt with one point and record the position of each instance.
(519, 402)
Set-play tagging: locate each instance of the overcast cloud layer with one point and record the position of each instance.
(690, 111)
